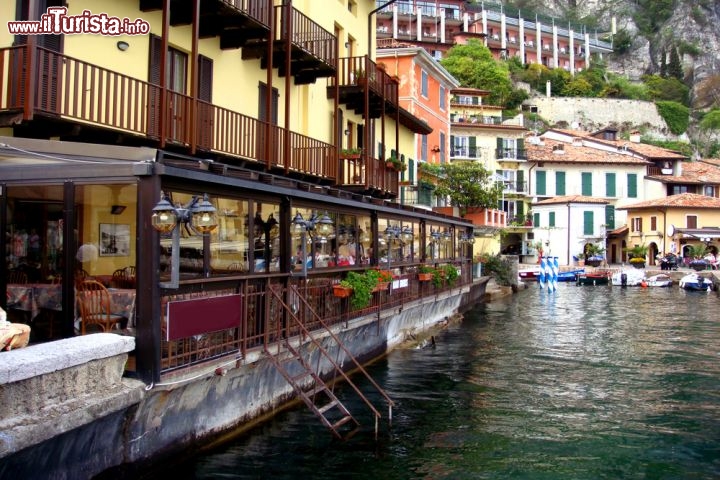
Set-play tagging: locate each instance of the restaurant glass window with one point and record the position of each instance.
(365, 236)
(34, 256)
(266, 237)
(229, 242)
(191, 246)
(319, 251)
(349, 249)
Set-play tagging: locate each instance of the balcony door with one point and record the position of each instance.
(48, 71)
(177, 108)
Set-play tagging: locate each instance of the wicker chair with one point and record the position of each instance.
(95, 307)
(17, 277)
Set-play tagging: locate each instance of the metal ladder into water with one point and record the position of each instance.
(307, 383)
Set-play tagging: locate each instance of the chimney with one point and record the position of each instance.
(635, 136)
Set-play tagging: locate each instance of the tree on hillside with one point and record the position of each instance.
(709, 126)
(474, 66)
(469, 184)
(674, 68)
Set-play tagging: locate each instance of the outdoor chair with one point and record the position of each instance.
(95, 307)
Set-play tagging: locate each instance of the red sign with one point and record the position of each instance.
(186, 318)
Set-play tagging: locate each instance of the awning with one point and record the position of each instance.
(698, 233)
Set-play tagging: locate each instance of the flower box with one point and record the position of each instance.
(424, 277)
(341, 291)
(381, 286)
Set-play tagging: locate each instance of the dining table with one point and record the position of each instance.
(35, 297)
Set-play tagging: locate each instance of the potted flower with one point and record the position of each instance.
(383, 279)
(594, 255)
(425, 273)
(353, 153)
(396, 164)
(362, 285)
(697, 253)
(637, 255)
(341, 290)
(580, 259)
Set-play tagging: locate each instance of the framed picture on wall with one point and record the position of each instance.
(114, 240)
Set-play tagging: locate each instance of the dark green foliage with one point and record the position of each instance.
(663, 64)
(499, 268)
(681, 147)
(676, 115)
(468, 184)
(674, 69)
(669, 89)
(622, 41)
(650, 15)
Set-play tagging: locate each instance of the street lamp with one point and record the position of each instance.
(395, 234)
(198, 216)
(318, 227)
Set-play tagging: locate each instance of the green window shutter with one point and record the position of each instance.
(381, 150)
(540, 183)
(551, 220)
(472, 147)
(588, 223)
(632, 185)
(559, 183)
(520, 179)
(411, 169)
(610, 185)
(587, 184)
(536, 219)
(520, 208)
(610, 217)
(476, 100)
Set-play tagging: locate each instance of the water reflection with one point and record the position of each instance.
(583, 383)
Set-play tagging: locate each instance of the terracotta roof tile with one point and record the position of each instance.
(694, 172)
(577, 154)
(644, 149)
(682, 200)
(571, 199)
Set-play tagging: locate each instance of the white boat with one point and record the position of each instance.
(659, 280)
(631, 277)
(693, 281)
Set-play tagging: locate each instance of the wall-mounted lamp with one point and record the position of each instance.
(122, 45)
(117, 209)
(347, 132)
(199, 216)
(347, 44)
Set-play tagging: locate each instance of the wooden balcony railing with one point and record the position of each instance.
(43, 82)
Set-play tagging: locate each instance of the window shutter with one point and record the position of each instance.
(540, 188)
(587, 184)
(536, 219)
(610, 185)
(559, 183)
(632, 185)
(610, 217)
(520, 186)
(551, 220)
(588, 223)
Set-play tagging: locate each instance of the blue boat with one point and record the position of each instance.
(570, 275)
(695, 282)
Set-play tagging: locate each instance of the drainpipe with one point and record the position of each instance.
(569, 255)
(369, 25)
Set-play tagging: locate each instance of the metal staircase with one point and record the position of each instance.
(306, 380)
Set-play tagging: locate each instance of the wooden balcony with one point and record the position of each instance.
(360, 75)
(312, 49)
(236, 22)
(368, 175)
(53, 95)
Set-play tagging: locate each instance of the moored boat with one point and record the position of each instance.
(695, 282)
(598, 277)
(570, 275)
(659, 280)
(631, 277)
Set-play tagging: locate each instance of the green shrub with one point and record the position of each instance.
(676, 116)
(499, 268)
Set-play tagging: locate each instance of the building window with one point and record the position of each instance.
(632, 185)
(709, 191)
(442, 147)
(551, 219)
(540, 187)
(636, 224)
(586, 179)
(424, 148)
(442, 98)
(691, 221)
(424, 85)
(588, 223)
(536, 219)
(610, 185)
(678, 189)
(653, 223)
(559, 183)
